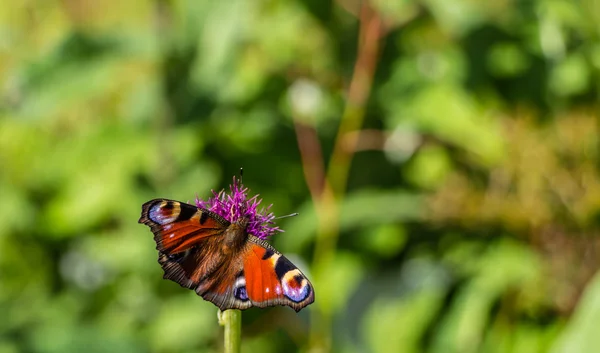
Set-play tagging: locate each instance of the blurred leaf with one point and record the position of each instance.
(507, 265)
(385, 240)
(223, 24)
(397, 12)
(447, 112)
(244, 130)
(458, 17)
(336, 281)
(16, 212)
(570, 77)
(183, 322)
(429, 168)
(66, 339)
(364, 208)
(507, 60)
(398, 324)
(581, 334)
(261, 343)
(8, 347)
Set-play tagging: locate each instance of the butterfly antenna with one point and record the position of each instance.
(287, 215)
(241, 175)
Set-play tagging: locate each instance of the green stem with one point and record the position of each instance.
(232, 321)
(336, 180)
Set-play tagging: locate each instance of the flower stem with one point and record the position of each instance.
(232, 321)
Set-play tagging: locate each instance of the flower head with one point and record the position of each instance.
(236, 205)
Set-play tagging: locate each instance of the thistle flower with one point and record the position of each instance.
(236, 205)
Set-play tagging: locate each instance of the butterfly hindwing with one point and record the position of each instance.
(231, 293)
(262, 278)
(271, 279)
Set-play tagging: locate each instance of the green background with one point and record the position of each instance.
(461, 212)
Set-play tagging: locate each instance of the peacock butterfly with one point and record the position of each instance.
(220, 260)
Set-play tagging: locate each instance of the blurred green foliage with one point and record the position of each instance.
(470, 221)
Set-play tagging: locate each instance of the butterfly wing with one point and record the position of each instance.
(178, 226)
(261, 277)
(187, 239)
(271, 279)
(229, 291)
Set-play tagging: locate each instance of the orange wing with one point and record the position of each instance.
(260, 277)
(271, 279)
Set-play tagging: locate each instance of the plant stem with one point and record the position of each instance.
(328, 193)
(232, 321)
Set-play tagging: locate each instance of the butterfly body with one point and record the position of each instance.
(224, 264)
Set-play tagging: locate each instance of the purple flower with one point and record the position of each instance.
(236, 205)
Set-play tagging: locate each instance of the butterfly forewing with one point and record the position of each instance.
(186, 238)
(178, 226)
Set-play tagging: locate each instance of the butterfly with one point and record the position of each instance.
(218, 259)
